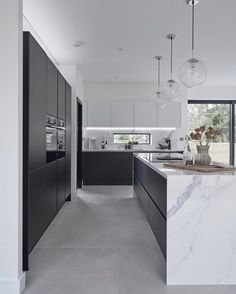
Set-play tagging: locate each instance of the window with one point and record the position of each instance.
(136, 138)
(219, 115)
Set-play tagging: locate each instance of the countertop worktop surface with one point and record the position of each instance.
(165, 172)
(135, 150)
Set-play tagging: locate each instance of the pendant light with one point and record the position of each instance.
(171, 89)
(160, 100)
(193, 72)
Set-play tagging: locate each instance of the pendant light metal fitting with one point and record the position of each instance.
(192, 2)
(171, 36)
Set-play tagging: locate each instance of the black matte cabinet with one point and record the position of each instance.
(141, 194)
(157, 189)
(158, 225)
(35, 67)
(151, 190)
(61, 182)
(107, 168)
(37, 203)
(51, 192)
(61, 96)
(68, 140)
(51, 88)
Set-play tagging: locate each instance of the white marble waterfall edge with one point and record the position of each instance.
(201, 229)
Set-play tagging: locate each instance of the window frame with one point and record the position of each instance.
(232, 105)
(149, 137)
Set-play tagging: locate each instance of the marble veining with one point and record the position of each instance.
(201, 231)
(201, 226)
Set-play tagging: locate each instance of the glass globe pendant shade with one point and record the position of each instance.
(171, 90)
(193, 73)
(160, 101)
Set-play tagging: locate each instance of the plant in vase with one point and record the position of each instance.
(203, 137)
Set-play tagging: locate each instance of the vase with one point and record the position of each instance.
(203, 156)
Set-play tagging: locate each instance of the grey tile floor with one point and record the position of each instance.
(101, 243)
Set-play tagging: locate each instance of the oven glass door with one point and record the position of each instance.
(51, 143)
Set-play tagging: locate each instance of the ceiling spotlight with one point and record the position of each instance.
(78, 43)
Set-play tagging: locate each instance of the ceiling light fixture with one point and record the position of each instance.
(160, 101)
(193, 72)
(171, 89)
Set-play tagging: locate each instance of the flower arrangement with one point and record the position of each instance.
(204, 135)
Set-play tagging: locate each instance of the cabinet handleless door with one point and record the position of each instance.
(51, 88)
(51, 192)
(145, 114)
(68, 140)
(122, 114)
(35, 68)
(98, 114)
(61, 182)
(61, 97)
(36, 204)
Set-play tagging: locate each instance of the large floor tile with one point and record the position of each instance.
(72, 271)
(101, 243)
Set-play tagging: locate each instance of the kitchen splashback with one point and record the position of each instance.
(107, 135)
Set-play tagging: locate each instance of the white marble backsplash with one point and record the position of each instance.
(156, 137)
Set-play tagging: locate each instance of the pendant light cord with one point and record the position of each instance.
(158, 58)
(171, 57)
(193, 23)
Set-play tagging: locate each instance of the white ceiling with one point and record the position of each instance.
(138, 26)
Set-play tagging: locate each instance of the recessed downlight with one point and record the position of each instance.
(78, 43)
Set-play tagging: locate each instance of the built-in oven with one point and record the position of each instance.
(61, 138)
(55, 138)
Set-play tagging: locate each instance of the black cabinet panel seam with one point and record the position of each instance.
(151, 197)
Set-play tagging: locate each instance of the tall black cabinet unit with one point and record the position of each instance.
(51, 88)
(68, 140)
(44, 184)
(61, 102)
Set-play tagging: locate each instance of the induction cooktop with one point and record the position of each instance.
(157, 157)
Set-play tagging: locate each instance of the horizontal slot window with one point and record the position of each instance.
(134, 138)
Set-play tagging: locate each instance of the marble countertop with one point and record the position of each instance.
(166, 172)
(142, 150)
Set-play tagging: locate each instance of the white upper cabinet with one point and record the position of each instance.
(170, 116)
(84, 114)
(98, 114)
(122, 114)
(129, 114)
(145, 114)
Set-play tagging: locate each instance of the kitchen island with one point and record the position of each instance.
(193, 218)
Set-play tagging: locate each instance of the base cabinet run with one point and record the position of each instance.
(107, 168)
(150, 189)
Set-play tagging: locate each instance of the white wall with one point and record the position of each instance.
(11, 276)
(213, 92)
(27, 27)
(135, 91)
(73, 76)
